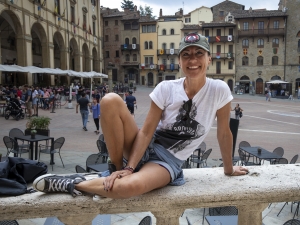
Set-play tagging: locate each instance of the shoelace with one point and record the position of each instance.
(59, 184)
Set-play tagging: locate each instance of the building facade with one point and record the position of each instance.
(202, 14)
(49, 34)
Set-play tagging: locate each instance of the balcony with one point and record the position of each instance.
(228, 55)
(129, 63)
(261, 32)
(251, 194)
(148, 66)
(130, 47)
(214, 39)
(167, 52)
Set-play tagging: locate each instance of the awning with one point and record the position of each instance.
(33, 69)
(277, 82)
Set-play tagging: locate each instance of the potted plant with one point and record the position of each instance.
(33, 133)
(40, 124)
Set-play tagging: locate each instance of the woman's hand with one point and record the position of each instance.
(239, 170)
(109, 181)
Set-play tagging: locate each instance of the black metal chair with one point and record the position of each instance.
(198, 152)
(292, 222)
(101, 137)
(15, 132)
(80, 169)
(246, 144)
(281, 161)
(278, 151)
(103, 152)
(147, 220)
(294, 159)
(12, 146)
(245, 159)
(91, 160)
(9, 222)
(57, 145)
(203, 159)
(223, 211)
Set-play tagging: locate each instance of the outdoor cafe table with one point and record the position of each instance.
(222, 220)
(98, 167)
(264, 155)
(36, 140)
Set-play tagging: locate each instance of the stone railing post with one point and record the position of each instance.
(251, 214)
(170, 217)
(82, 219)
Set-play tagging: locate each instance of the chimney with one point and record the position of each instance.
(160, 13)
(135, 8)
(250, 10)
(126, 10)
(181, 12)
(148, 16)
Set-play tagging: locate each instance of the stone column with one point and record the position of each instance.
(251, 214)
(51, 61)
(82, 219)
(27, 59)
(168, 217)
(110, 84)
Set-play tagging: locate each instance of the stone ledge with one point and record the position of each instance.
(205, 187)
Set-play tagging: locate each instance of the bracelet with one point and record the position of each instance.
(233, 171)
(131, 169)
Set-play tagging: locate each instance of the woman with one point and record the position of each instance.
(181, 114)
(237, 110)
(46, 99)
(95, 109)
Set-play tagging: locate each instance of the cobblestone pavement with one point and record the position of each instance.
(266, 124)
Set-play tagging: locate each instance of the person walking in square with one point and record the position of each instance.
(84, 104)
(130, 101)
(238, 111)
(95, 109)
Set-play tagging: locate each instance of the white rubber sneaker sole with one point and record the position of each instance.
(98, 198)
(39, 183)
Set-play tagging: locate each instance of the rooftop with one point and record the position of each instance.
(257, 13)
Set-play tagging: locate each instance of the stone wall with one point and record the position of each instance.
(226, 6)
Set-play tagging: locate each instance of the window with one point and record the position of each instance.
(218, 67)
(116, 22)
(134, 57)
(245, 43)
(57, 6)
(219, 48)
(117, 54)
(106, 23)
(275, 42)
(221, 13)
(230, 48)
(230, 65)
(150, 45)
(260, 43)
(94, 27)
(164, 32)
(230, 31)
(127, 26)
(106, 38)
(93, 2)
(148, 28)
(260, 61)
(172, 45)
(72, 14)
(274, 60)
(276, 24)
(165, 62)
(261, 27)
(134, 40)
(146, 45)
(116, 37)
(84, 22)
(187, 20)
(127, 41)
(218, 32)
(164, 46)
(135, 25)
(172, 31)
(106, 54)
(206, 33)
(127, 57)
(245, 61)
(246, 26)
(148, 60)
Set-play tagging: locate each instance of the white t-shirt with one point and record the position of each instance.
(76, 89)
(179, 133)
(34, 93)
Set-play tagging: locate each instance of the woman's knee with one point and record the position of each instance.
(110, 100)
(127, 188)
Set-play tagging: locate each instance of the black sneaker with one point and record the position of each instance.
(52, 183)
(112, 168)
(85, 128)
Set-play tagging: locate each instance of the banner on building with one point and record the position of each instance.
(143, 66)
(133, 46)
(245, 51)
(229, 38)
(207, 38)
(218, 38)
(125, 46)
(162, 67)
(161, 51)
(218, 55)
(229, 55)
(172, 66)
(151, 66)
(172, 51)
(275, 50)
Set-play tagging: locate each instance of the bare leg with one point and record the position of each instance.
(150, 177)
(119, 128)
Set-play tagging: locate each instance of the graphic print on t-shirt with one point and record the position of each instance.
(176, 136)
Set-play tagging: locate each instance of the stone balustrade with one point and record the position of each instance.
(205, 187)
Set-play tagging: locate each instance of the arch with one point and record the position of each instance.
(297, 86)
(260, 61)
(150, 79)
(133, 40)
(146, 45)
(164, 32)
(86, 62)
(59, 48)
(276, 77)
(74, 63)
(172, 32)
(245, 78)
(259, 84)
(230, 84)
(96, 64)
(150, 45)
(245, 61)
(298, 34)
(127, 41)
(259, 80)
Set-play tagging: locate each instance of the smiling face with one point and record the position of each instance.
(194, 62)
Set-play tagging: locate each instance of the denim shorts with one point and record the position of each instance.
(156, 153)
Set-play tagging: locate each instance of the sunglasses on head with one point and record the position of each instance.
(192, 38)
